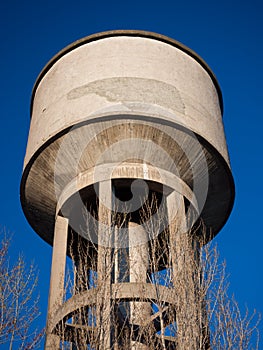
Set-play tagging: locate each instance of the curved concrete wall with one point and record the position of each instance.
(126, 74)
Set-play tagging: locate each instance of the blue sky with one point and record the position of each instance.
(228, 35)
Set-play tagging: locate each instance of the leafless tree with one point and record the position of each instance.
(186, 304)
(18, 300)
(229, 327)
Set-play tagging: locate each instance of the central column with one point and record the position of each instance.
(104, 303)
(139, 264)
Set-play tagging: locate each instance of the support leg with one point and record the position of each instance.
(56, 289)
(185, 275)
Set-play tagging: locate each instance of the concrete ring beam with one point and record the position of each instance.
(120, 291)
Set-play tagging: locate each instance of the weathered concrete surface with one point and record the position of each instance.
(119, 74)
(165, 148)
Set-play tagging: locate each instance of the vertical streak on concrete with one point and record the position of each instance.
(139, 263)
(104, 266)
(57, 277)
(183, 264)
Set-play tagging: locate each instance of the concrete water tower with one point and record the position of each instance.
(126, 160)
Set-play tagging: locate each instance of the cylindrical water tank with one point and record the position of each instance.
(126, 105)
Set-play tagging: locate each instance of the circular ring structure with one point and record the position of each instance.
(120, 292)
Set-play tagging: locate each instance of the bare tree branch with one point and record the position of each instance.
(18, 300)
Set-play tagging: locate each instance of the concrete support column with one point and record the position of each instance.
(103, 313)
(139, 264)
(56, 289)
(185, 274)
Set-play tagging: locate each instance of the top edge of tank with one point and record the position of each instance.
(131, 33)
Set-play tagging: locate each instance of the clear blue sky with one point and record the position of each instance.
(228, 35)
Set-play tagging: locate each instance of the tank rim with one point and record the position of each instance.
(26, 206)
